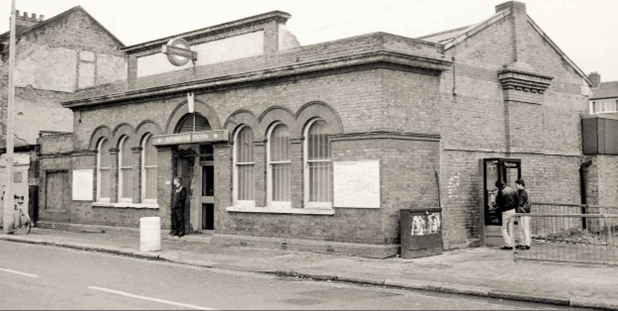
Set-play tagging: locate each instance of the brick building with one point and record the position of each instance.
(319, 147)
(54, 58)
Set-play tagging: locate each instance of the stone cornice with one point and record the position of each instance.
(384, 59)
(514, 79)
(385, 135)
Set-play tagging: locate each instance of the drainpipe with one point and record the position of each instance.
(582, 186)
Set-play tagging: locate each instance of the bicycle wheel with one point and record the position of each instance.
(24, 225)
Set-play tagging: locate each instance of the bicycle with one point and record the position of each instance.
(23, 224)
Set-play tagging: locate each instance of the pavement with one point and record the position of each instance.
(485, 272)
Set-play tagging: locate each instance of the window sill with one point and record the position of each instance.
(126, 205)
(275, 210)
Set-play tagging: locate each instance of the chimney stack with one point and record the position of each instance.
(24, 21)
(595, 78)
(513, 5)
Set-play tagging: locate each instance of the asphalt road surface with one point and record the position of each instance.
(44, 277)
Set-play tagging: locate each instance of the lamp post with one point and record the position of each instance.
(8, 221)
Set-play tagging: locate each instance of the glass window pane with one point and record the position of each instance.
(150, 153)
(280, 143)
(281, 182)
(105, 183)
(127, 183)
(244, 149)
(150, 185)
(318, 145)
(320, 182)
(245, 182)
(127, 155)
(104, 155)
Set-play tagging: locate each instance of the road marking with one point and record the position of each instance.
(148, 298)
(20, 273)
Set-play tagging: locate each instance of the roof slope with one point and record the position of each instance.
(451, 38)
(23, 31)
(606, 90)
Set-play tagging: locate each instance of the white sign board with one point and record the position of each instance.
(357, 184)
(83, 185)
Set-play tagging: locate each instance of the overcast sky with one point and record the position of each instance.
(586, 30)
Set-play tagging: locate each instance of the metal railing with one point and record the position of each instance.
(566, 237)
(562, 208)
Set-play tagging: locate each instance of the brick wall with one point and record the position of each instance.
(482, 120)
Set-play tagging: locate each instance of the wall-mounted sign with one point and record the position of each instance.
(83, 185)
(190, 138)
(179, 52)
(356, 184)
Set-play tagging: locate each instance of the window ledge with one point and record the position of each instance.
(126, 205)
(275, 210)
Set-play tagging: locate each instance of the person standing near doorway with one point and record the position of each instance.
(506, 202)
(178, 203)
(523, 207)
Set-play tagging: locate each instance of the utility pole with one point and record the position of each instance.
(9, 219)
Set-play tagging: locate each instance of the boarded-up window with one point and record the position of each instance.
(318, 165)
(149, 177)
(126, 170)
(56, 190)
(244, 165)
(279, 181)
(104, 168)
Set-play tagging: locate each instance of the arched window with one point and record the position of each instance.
(193, 122)
(104, 167)
(279, 166)
(125, 174)
(244, 164)
(149, 171)
(318, 166)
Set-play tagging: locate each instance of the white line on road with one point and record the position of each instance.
(148, 298)
(20, 273)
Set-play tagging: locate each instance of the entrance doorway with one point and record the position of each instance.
(196, 169)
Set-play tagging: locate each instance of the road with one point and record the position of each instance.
(44, 277)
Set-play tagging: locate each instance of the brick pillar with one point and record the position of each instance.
(223, 183)
(298, 181)
(260, 173)
(166, 167)
(113, 196)
(137, 174)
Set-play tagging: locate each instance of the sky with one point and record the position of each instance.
(586, 30)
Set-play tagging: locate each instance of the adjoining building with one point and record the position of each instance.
(54, 58)
(319, 147)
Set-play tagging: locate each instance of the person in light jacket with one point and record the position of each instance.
(523, 207)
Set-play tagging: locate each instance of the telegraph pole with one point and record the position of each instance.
(9, 220)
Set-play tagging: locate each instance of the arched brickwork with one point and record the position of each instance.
(243, 117)
(314, 110)
(98, 134)
(146, 127)
(121, 131)
(272, 115)
(182, 109)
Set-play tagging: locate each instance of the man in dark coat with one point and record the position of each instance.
(506, 202)
(178, 208)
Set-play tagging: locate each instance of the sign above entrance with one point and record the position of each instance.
(179, 52)
(191, 138)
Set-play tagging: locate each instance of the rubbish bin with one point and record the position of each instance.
(150, 234)
(421, 232)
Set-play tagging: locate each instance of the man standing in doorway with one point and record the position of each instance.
(178, 203)
(506, 201)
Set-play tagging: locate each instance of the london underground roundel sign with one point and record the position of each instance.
(179, 52)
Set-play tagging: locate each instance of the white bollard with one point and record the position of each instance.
(150, 234)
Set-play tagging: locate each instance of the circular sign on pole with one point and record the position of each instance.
(179, 52)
